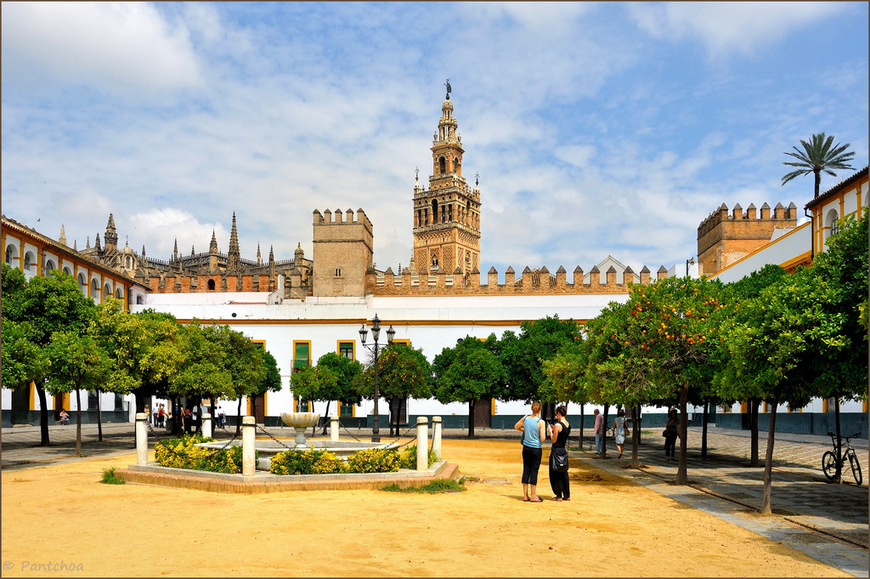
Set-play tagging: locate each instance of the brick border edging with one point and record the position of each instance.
(205, 483)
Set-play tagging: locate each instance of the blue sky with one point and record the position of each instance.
(597, 129)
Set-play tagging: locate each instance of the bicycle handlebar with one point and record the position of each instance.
(857, 434)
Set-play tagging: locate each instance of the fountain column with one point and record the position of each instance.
(206, 425)
(422, 443)
(333, 428)
(141, 439)
(436, 436)
(248, 436)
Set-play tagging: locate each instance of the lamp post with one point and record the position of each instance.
(690, 261)
(376, 332)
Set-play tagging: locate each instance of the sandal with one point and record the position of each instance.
(556, 499)
(537, 500)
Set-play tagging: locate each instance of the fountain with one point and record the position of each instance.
(300, 421)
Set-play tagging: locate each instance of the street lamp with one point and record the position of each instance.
(690, 261)
(376, 332)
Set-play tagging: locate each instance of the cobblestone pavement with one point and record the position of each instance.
(826, 521)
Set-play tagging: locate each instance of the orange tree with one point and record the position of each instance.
(402, 372)
(331, 379)
(468, 372)
(667, 334)
(566, 377)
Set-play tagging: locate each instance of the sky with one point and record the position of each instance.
(596, 129)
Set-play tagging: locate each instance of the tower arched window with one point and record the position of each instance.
(442, 163)
(435, 209)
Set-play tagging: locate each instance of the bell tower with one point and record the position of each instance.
(447, 214)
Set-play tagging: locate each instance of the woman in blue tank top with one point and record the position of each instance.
(533, 429)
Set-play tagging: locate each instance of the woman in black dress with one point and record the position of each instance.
(559, 436)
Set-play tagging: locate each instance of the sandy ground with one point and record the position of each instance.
(611, 527)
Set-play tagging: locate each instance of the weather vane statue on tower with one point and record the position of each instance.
(447, 84)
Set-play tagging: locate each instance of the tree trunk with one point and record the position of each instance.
(471, 418)
(753, 431)
(582, 416)
(325, 419)
(239, 417)
(635, 436)
(705, 416)
(768, 460)
(682, 475)
(100, 418)
(78, 422)
(604, 433)
(43, 416)
(839, 442)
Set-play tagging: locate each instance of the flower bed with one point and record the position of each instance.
(365, 461)
(183, 453)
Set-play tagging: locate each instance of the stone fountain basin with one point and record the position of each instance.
(266, 449)
(300, 419)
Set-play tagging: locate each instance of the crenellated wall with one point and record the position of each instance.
(724, 238)
(531, 282)
(343, 252)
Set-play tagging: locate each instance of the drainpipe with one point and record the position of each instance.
(812, 235)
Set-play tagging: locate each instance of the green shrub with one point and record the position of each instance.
(374, 460)
(183, 453)
(109, 477)
(436, 486)
(408, 457)
(306, 462)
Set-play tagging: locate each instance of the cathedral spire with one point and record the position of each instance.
(62, 238)
(213, 246)
(97, 245)
(259, 258)
(271, 255)
(175, 251)
(233, 256)
(111, 236)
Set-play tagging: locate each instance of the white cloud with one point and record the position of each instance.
(725, 27)
(115, 47)
(158, 229)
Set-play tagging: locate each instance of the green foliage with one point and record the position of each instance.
(522, 355)
(77, 362)
(183, 453)
(374, 460)
(468, 372)
(408, 457)
(109, 477)
(402, 372)
(24, 361)
(307, 462)
(436, 486)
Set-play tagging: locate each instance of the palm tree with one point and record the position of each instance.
(818, 156)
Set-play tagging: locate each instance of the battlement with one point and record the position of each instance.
(532, 282)
(724, 237)
(342, 218)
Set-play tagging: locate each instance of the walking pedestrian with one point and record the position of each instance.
(670, 433)
(619, 431)
(598, 431)
(534, 431)
(559, 452)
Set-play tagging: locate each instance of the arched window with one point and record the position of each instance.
(67, 270)
(435, 209)
(95, 291)
(83, 284)
(28, 261)
(107, 290)
(119, 293)
(442, 163)
(10, 254)
(50, 266)
(831, 224)
(456, 164)
(211, 285)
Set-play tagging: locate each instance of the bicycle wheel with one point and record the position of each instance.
(829, 466)
(856, 468)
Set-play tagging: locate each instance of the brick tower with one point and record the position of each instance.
(447, 215)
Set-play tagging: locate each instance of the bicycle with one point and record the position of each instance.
(829, 459)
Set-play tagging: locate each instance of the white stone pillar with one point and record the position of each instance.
(206, 425)
(249, 432)
(333, 428)
(141, 439)
(436, 436)
(422, 443)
